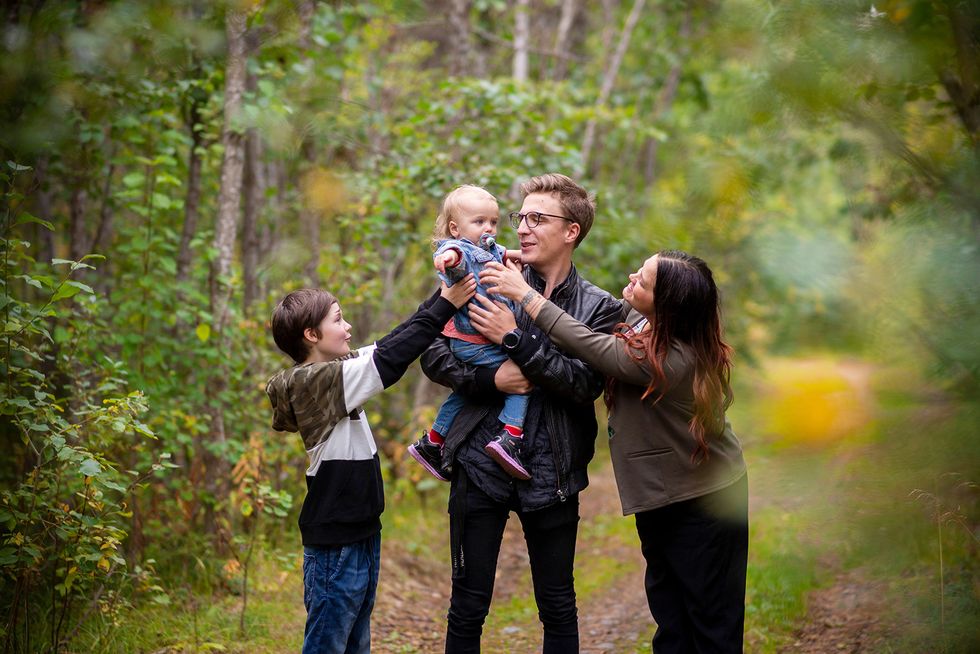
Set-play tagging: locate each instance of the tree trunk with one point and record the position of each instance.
(569, 9)
(45, 237)
(666, 99)
(254, 196)
(192, 203)
(79, 245)
(229, 198)
(963, 87)
(308, 218)
(232, 165)
(522, 29)
(103, 234)
(609, 80)
(460, 39)
(272, 226)
(306, 10)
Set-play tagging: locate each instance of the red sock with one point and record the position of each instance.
(516, 432)
(435, 437)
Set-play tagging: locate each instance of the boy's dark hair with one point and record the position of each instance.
(578, 204)
(300, 310)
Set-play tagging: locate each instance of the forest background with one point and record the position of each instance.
(171, 169)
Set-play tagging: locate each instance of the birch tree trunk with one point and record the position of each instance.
(308, 218)
(569, 10)
(666, 98)
(522, 29)
(254, 196)
(229, 197)
(609, 80)
(460, 38)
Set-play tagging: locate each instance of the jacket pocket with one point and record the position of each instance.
(641, 477)
(656, 451)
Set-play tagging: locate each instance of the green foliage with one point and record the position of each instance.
(65, 514)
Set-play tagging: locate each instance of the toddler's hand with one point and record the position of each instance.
(460, 292)
(445, 260)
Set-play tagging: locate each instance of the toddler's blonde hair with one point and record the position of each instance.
(450, 210)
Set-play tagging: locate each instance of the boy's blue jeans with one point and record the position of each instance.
(339, 585)
(515, 406)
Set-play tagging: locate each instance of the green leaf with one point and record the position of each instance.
(203, 332)
(28, 218)
(133, 180)
(65, 291)
(90, 468)
(82, 287)
(16, 167)
(8, 556)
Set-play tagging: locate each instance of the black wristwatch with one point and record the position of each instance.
(512, 339)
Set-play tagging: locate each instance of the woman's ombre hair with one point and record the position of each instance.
(686, 309)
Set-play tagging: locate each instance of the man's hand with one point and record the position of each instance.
(509, 379)
(504, 280)
(492, 319)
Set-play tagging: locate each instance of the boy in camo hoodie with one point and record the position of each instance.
(321, 398)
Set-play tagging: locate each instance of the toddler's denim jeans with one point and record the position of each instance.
(486, 355)
(339, 585)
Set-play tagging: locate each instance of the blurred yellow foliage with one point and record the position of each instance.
(817, 401)
(323, 191)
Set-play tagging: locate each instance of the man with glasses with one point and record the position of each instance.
(559, 429)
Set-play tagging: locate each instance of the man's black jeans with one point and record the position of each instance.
(696, 553)
(550, 536)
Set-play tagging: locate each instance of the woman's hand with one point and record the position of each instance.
(492, 319)
(504, 280)
(460, 292)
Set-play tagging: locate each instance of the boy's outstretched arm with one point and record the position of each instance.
(395, 352)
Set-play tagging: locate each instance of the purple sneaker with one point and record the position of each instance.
(505, 449)
(429, 455)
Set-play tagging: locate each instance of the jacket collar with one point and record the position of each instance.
(561, 292)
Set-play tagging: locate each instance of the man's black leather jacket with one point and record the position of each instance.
(568, 387)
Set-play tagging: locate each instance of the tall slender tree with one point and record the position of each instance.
(522, 29)
(229, 200)
(609, 80)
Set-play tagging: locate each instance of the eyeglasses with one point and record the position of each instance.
(533, 218)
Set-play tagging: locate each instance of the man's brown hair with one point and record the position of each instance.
(576, 202)
(300, 310)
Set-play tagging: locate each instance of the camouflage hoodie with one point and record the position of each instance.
(322, 401)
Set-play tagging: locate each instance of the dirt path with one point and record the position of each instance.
(844, 618)
(413, 593)
(614, 619)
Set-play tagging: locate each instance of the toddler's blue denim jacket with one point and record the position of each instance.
(474, 257)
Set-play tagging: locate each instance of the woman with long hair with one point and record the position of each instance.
(678, 465)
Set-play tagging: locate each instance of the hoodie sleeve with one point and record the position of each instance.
(283, 417)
